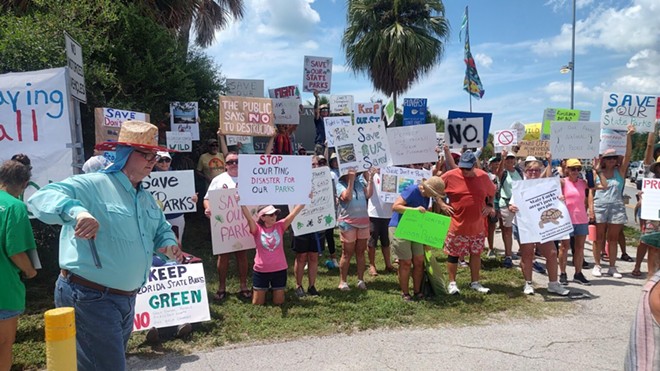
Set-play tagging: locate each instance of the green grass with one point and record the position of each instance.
(237, 321)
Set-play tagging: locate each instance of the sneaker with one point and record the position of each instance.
(528, 289)
(335, 263)
(311, 290)
(612, 271)
(329, 264)
(476, 286)
(183, 330)
(585, 265)
(508, 262)
(152, 336)
(563, 279)
(538, 268)
(596, 272)
(556, 288)
(300, 292)
(462, 264)
(515, 256)
(361, 285)
(343, 286)
(579, 278)
(452, 289)
(492, 254)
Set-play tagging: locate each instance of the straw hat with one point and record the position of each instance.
(610, 153)
(435, 186)
(138, 134)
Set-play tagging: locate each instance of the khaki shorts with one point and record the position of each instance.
(404, 249)
(507, 217)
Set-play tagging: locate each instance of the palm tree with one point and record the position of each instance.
(394, 42)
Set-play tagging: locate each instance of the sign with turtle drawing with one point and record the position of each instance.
(229, 228)
(541, 215)
(319, 214)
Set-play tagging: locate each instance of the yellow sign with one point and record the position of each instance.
(532, 131)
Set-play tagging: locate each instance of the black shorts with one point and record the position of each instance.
(378, 229)
(310, 242)
(271, 280)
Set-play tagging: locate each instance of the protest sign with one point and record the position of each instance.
(414, 111)
(181, 142)
(487, 118)
(412, 144)
(173, 295)
(359, 147)
(184, 117)
(341, 104)
(367, 112)
(532, 131)
(389, 111)
(245, 88)
(621, 109)
(173, 190)
(233, 140)
(107, 122)
(440, 139)
(333, 122)
(229, 228)
(561, 114)
(317, 74)
(505, 138)
(574, 139)
(650, 199)
(247, 116)
(541, 215)
(464, 132)
(395, 180)
(426, 228)
(286, 111)
(536, 148)
(615, 139)
(319, 214)
(286, 92)
(267, 179)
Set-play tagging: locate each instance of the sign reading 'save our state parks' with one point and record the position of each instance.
(268, 179)
(318, 74)
(229, 228)
(621, 109)
(173, 190)
(359, 147)
(319, 215)
(412, 144)
(247, 116)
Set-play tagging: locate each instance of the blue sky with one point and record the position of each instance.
(519, 47)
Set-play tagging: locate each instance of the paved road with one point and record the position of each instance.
(591, 336)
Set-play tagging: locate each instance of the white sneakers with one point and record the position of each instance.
(528, 289)
(612, 271)
(452, 289)
(557, 288)
(476, 286)
(596, 272)
(361, 285)
(343, 286)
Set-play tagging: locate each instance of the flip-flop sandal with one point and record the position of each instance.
(406, 297)
(245, 294)
(220, 295)
(419, 296)
(627, 258)
(636, 273)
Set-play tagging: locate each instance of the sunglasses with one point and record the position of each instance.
(232, 162)
(533, 171)
(164, 159)
(574, 169)
(149, 156)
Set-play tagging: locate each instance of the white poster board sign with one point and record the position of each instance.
(615, 139)
(286, 111)
(569, 139)
(184, 117)
(367, 112)
(464, 132)
(173, 190)
(440, 139)
(651, 199)
(359, 147)
(317, 74)
(395, 180)
(505, 138)
(330, 123)
(412, 144)
(341, 104)
(319, 214)
(275, 179)
(173, 295)
(621, 109)
(181, 142)
(245, 88)
(541, 215)
(229, 228)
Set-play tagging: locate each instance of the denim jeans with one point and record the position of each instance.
(104, 323)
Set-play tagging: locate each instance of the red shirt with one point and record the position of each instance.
(467, 196)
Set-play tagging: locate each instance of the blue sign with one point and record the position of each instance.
(414, 111)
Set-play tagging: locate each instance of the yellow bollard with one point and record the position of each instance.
(60, 339)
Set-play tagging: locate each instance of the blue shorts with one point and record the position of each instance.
(7, 314)
(580, 230)
(271, 280)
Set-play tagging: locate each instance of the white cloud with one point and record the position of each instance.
(483, 60)
(557, 5)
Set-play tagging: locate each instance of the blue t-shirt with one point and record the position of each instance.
(413, 197)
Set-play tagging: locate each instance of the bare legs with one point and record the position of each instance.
(7, 338)
(223, 268)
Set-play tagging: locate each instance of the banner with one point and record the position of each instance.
(541, 216)
(360, 147)
(268, 179)
(487, 118)
(107, 122)
(367, 112)
(173, 190)
(317, 75)
(621, 109)
(34, 120)
(332, 122)
(414, 111)
(395, 180)
(341, 104)
(574, 139)
(286, 111)
(464, 132)
(181, 142)
(614, 139)
(561, 114)
(286, 92)
(229, 228)
(319, 214)
(536, 148)
(651, 199)
(247, 116)
(173, 295)
(245, 88)
(184, 117)
(427, 228)
(412, 144)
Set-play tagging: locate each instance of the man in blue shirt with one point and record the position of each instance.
(110, 228)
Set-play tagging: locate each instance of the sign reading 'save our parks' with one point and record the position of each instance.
(173, 295)
(247, 116)
(274, 179)
(621, 109)
(229, 228)
(426, 228)
(317, 75)
(245, 87)
(359, 147)
(412, 144)
(173, 190)
(561, 114)
(319, 215)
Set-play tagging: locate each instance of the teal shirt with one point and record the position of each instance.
(131, 227)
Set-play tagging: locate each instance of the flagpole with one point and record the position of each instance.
(467, 33)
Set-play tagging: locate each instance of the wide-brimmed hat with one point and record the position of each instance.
(573, 162)
(138, 134)
(435, 186)
(268, 210)
(611, 152)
